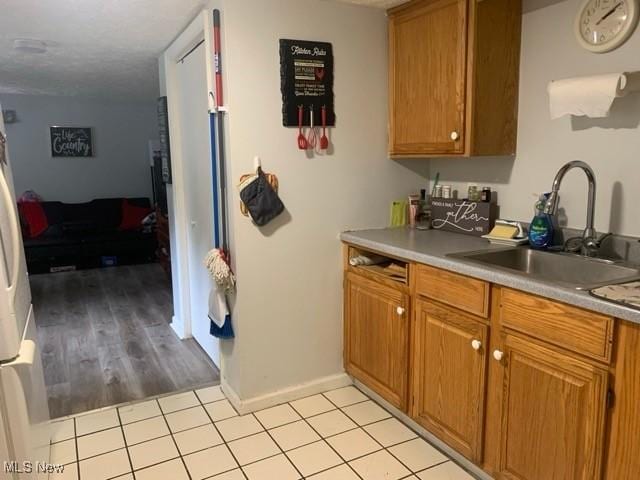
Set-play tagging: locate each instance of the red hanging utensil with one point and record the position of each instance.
(324, 141)
(302, 141)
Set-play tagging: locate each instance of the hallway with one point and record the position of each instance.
(105, 338)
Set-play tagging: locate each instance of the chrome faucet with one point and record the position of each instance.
(590, 241)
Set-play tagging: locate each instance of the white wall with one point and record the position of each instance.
(121, 131)
(288, 311)
(611, 146)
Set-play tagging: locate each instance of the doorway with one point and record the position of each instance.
(188, 73)
(103, 303)
(192, 92)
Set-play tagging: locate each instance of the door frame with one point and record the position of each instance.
(198, 30)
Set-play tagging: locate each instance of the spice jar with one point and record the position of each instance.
(486, 194)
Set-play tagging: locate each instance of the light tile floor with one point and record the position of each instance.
(196, 435)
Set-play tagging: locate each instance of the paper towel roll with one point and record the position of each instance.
(590, 96)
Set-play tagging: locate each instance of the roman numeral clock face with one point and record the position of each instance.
(602, 25)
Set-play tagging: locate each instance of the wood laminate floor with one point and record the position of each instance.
(105, 338)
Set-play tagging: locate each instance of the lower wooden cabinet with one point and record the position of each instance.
(376, 349)
(552, 411)
(449, 371)
(530, 401)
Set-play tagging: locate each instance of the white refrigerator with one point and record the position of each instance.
(24, 415)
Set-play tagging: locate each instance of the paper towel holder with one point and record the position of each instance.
(596, 100)
(630, 82)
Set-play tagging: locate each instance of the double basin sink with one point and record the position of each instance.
(563, 269)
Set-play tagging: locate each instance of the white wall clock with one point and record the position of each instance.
(602, 25)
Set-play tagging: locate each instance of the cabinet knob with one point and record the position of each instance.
(455, 135)
(476, 344)
(400, 310)
(497, 354)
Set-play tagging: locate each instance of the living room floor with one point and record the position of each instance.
(105, 338)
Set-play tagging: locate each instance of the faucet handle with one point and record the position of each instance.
(592, 244)
(588, 245)
(595, 241)
(605, 236)
(573, 244)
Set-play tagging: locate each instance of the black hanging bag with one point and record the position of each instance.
(261, 200)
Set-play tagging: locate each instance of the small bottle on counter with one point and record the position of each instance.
(486, 194)
(414, 209)
(437, 191)
(423, 219)
(446, 191)
(473, 194)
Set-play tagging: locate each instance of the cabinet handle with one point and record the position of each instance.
(400, 311)
(455, 135)
(476, 344)
(497, 354)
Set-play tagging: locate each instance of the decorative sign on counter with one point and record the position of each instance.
(463, 216)
(71, 142)
(306, 76)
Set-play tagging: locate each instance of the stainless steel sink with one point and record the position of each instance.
(574, 271)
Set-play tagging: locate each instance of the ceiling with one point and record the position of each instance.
(97, 48)
(102, 48)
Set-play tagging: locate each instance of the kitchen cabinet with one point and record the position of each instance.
(523, 386)
(459, 291)
(623, 443)
(376, 322)
(449, 365)
(453, 77)
(552, 413)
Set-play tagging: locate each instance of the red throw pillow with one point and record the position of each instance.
(33, 215)
(132, 216)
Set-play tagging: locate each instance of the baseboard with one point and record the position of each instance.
(285, 395)
(464, 462)
(178, 327)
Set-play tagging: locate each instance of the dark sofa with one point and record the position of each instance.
(83, 235)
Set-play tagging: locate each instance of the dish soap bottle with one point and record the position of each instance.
(541, 228)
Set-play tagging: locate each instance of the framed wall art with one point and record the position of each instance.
(71, 141)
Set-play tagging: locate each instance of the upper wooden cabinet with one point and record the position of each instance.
(377, 337)
(453, 78)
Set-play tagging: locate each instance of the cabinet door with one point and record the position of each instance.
(553, 414)
(377, 337)
(427, 78)
(449, 376)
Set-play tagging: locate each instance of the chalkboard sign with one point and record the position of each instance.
(463, 216)
(71, 142)
(306, 75)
